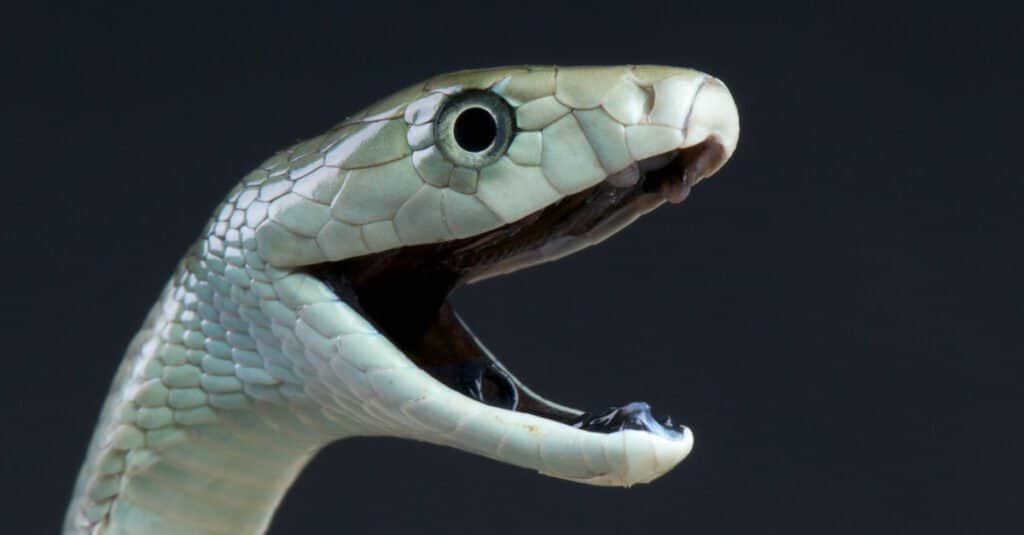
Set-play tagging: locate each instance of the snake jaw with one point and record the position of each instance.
(403, 292)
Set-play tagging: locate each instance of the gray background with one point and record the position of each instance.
(836, 314)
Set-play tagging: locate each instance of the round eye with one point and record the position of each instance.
(474, 128)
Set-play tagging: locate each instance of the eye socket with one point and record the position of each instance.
(474, 128)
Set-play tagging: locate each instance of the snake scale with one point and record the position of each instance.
(313, 307)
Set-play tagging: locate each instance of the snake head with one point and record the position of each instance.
(364, 232)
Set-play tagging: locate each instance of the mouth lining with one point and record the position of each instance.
(404, 292)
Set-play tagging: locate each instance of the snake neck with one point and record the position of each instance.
(219, 480)
(201, 433)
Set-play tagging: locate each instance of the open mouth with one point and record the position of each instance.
(404, 292)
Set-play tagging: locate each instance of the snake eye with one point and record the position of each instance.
(474, 128)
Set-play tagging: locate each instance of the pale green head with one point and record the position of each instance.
(465, 153)
(350, 243)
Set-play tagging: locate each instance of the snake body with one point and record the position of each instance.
(274, 335)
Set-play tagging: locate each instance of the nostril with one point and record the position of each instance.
(649, 97)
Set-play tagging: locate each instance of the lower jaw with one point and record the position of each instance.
(489, 382)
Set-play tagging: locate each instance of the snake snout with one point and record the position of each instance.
(713, 123)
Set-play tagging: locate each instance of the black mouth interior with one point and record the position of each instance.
(404, 292)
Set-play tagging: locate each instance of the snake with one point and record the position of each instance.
(314, 305)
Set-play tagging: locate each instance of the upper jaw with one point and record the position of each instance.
(709, 132)
(617, 201)
(710, 135)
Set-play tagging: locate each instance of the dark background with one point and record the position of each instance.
(836, 314)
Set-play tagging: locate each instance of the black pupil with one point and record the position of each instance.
(475, 129)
